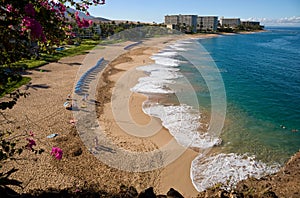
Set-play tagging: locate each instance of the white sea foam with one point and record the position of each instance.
(166, 53)
(164, 60)
(182, 121)
(161, 74)
(153, 85)
(227, 169)
(165, 74)
(145, 87)
(180, 45)
(158, 80)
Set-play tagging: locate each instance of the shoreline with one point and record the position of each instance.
(43, 113)
(176, 174)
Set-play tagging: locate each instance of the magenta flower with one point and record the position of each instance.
(30, 143)
(61, 7)
(57, 153)
(36, 30)
(82, 23)
(29, 9)
(9, 8)
(45, 4)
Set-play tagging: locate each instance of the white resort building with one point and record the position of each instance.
(192, 23)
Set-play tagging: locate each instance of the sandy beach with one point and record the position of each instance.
(43, 113)
(177, 173)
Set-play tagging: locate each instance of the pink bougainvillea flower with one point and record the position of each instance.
(82, 23)
(9, 8)
(30, 143)
(61, 7)
(36, 30)
(85, 23)
(29, 9)
(76, 14)
(57, 153)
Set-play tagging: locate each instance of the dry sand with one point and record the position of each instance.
(43, 113)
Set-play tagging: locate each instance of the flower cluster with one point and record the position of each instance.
(61, 7)
(30, 144)
(34, 27)
(82, 23)
(9, 8)
(57, 153)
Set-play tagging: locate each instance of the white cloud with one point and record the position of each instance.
(286, 21)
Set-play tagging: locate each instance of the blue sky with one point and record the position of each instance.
(267, 11)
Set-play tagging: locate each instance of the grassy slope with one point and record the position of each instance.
(45, 59)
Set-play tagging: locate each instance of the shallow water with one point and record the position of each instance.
(261, 74)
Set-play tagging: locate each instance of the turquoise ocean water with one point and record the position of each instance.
(261, 75)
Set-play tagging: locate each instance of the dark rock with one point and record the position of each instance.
(77, 152)
(174, 194)
(269, 194)
(126, 192)
(132, 192)
(148, 193)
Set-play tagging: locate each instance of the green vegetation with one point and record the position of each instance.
(70, 50)
(240, 28)
(13, 85)
(14, 80)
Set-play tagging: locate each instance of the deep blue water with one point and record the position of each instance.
(261, 73)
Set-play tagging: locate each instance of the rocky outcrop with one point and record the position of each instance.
(284, 183)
